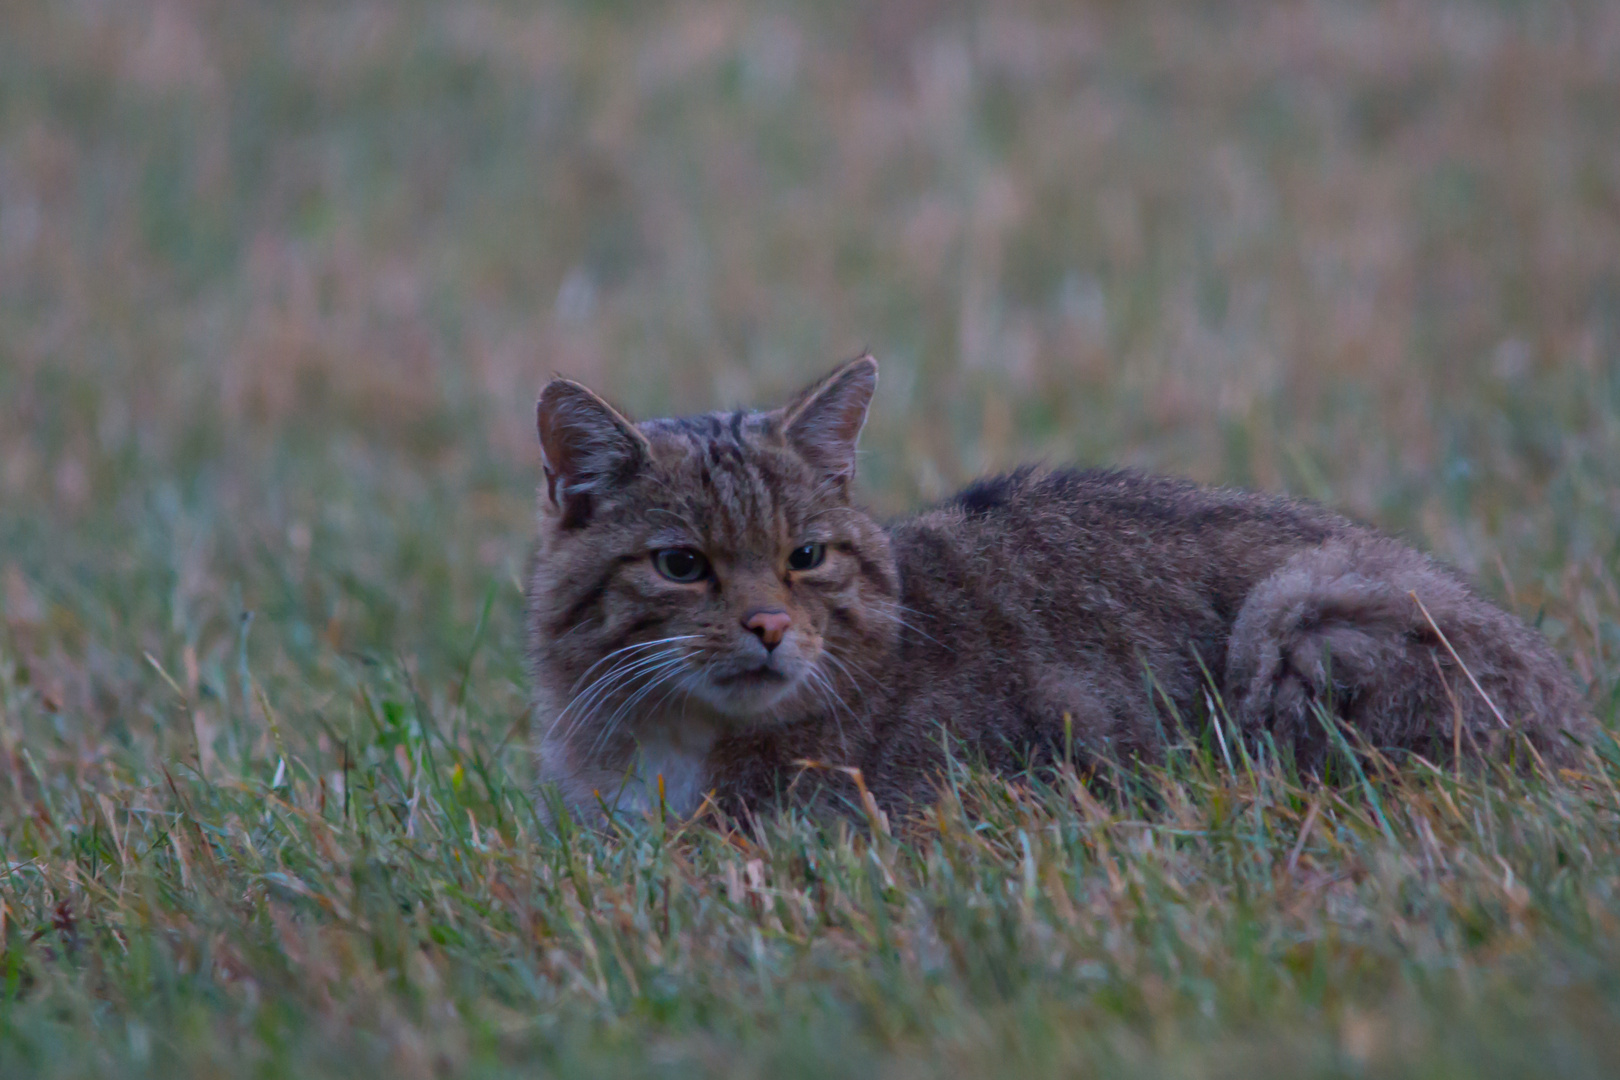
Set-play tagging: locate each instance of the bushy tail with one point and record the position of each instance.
(1340, 628)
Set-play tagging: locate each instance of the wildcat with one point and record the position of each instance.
(708, 609)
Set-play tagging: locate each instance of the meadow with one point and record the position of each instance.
(280, 282)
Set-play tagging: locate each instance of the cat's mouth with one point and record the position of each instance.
(764, 675)
(747, 692)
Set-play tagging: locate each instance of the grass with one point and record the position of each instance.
(279, 283)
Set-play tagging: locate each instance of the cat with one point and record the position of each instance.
(709, 610)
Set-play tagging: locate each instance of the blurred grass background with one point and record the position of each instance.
(279, 283)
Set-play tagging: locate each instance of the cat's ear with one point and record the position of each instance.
(824, 422)
(586, 447)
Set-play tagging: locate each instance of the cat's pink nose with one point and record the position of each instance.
(769, 626)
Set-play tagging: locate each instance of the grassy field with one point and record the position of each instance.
(279, 283)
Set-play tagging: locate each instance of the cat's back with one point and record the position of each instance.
(1106, 528)
(1047, 566)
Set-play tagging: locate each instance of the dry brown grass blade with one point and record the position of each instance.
(1304, 833)
(874, 814)
(1456, 719)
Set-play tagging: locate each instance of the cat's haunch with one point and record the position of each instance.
(708, 609)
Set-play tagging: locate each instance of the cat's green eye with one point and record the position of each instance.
(681, 564)
(807, 557)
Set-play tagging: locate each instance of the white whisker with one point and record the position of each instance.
(851, 670)
(618, 652)
(607, 683)
(657, 677)
(834, 703)
(894, 609)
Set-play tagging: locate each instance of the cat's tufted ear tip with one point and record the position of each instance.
(824, 422)
(586, 445)
(558, 394)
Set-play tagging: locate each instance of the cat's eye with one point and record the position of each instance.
(807, 557)
(681, 564)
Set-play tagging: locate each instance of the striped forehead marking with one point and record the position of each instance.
(737, 499)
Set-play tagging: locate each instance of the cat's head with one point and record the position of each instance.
(714, 559)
